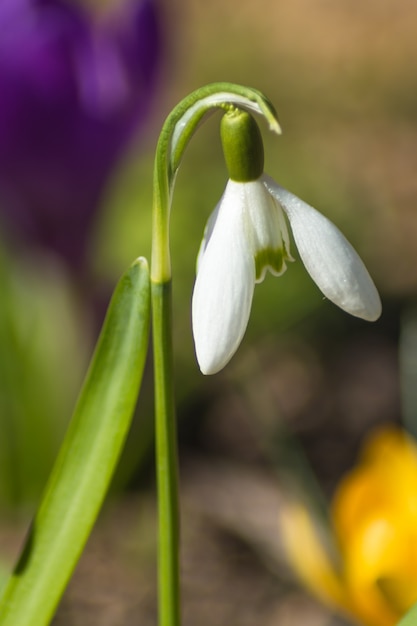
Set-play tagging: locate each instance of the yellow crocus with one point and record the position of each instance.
(373, 577)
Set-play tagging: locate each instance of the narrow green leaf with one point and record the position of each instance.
(83, 470)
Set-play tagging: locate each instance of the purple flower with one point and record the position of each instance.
(74, 88)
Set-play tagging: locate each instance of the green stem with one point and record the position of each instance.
(167, 461)
(174, 138)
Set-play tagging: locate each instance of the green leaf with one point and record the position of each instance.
(88, 457)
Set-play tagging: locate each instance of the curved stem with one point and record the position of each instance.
(175, 135)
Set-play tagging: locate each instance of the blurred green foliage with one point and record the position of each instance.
(43, 351)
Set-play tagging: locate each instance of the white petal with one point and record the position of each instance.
(328, 257)
(266, 223)
(207, 234)
(224, 288)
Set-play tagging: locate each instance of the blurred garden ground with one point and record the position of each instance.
(342, 77)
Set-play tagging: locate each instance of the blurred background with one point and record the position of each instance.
(84, 90)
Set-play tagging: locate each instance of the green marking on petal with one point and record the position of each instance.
(272, 260)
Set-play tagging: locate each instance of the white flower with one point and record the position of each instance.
(245, 236)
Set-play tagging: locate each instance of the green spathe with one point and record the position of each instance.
(242, 146)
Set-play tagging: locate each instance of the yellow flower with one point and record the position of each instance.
(372, 574)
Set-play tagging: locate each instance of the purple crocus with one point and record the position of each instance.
(74, 88)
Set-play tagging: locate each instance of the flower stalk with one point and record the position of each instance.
(174, 138)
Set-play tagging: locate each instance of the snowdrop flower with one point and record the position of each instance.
(247, 235)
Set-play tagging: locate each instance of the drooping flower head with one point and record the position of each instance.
(74, 88)
(247, 235)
